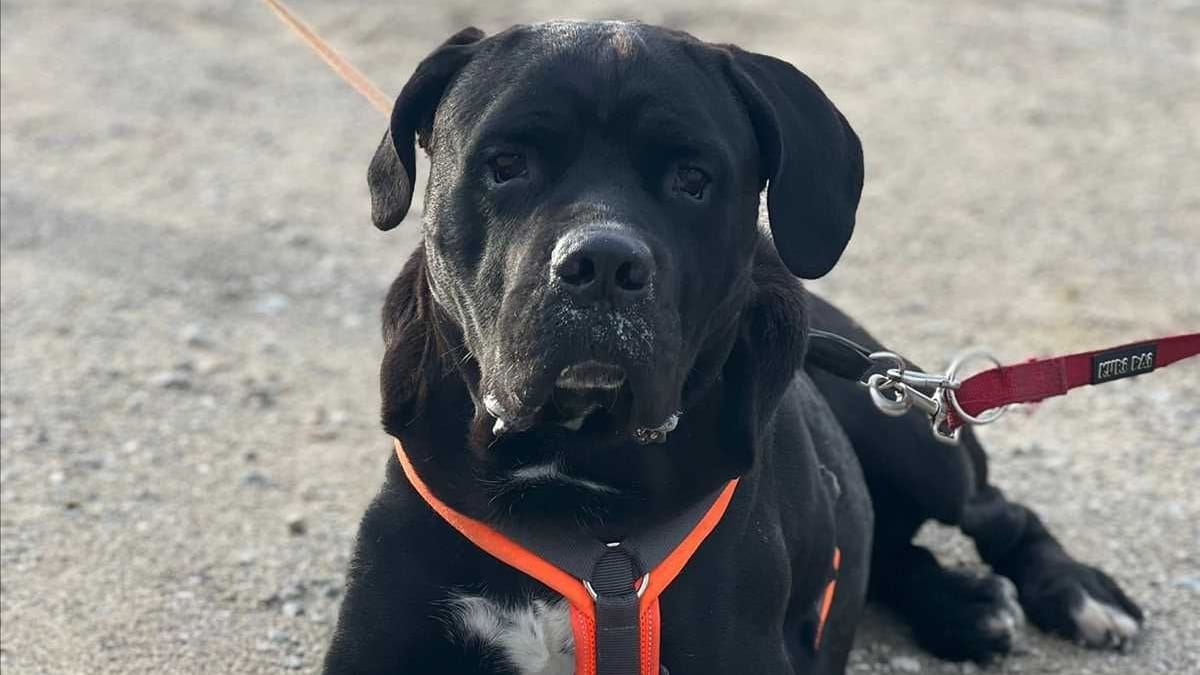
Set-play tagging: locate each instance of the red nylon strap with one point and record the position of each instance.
(1039, 379)
(583, 621)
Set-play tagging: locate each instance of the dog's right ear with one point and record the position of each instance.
(393, 171)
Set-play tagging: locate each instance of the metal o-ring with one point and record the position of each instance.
(987, 417)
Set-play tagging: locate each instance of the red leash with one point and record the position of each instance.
(896, 387)
(1039, 379)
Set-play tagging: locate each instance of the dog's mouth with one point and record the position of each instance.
(587, 397)
(590, 398)
(584, 390)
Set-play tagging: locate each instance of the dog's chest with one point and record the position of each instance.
(533, 637)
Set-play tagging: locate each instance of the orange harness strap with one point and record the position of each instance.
(583, 616)
(827, 598)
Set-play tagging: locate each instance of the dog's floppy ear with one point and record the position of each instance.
(393, 171)
(765, 356)
(412, 349)
(811, 157)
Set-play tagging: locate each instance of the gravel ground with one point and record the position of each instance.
(191, 284)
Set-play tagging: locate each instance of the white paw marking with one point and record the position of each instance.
(534, 638)
(1103, 625)
(1008, 618)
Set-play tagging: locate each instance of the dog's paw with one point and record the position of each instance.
(977, 619)
(1006, 618)
(1083, 604)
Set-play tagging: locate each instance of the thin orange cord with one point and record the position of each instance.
(351, 75)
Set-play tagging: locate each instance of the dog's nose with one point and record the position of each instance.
(599, 265)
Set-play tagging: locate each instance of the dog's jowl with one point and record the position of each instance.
(595, 339)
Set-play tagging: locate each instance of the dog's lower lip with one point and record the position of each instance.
(505, 424)
(591, 375)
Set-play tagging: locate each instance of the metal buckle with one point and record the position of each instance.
(587, 585)
(897, 389)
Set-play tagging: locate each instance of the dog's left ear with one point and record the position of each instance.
(393, 171)
(766, 354)
(811, 157)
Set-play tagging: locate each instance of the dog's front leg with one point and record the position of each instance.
(393, 616)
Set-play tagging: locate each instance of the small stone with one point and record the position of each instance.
(1191, 583)
(298, 239)
(904, 664)
(175, 378)
(255, 478)
(207, 365)
(260, 394)
(296, 525)
(195, 335)
(318, 416)
(323, 434)
(294, 662)
(278, 636)
(295, 591)
(135, 402)
(292, 608)
(272, 304)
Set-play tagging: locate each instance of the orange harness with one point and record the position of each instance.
(589, 659)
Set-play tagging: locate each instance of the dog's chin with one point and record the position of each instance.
(548, 490)
(557, 460)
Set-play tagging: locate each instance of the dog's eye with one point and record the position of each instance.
(691, 181)
(507, 166)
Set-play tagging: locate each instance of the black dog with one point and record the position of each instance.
(592, 275)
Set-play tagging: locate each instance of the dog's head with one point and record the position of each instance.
(591, 263)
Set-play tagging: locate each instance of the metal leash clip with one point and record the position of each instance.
(898, 388)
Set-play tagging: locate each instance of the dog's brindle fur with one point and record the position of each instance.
(541, 133)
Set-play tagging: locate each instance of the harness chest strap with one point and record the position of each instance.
(614, 606)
